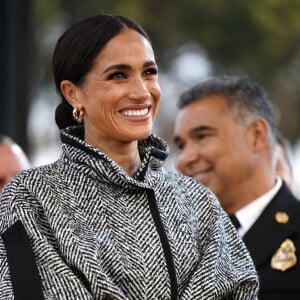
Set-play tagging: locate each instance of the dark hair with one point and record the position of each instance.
(240, 92)
(77, 49)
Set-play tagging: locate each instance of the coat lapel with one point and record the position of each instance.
(266, 235)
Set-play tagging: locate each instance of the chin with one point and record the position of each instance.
(136, 136)
(141, 134)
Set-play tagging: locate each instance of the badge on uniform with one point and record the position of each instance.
(285, 257)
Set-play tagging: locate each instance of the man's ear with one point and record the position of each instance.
(260, 133)
(71, 92)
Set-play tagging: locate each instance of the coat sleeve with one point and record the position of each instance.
(225, 270)
(6, 291)
(7, 218)
(19, 272)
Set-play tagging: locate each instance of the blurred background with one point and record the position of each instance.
(193, 39)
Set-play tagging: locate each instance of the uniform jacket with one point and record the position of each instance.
(97, 233)
(265, 240)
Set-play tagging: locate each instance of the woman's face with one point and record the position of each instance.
(121, 94)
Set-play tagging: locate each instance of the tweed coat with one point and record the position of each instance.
(264, 241)
(96, 233)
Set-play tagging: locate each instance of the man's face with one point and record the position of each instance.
(214, 148)
(12, 161)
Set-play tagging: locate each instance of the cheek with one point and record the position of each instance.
(155, 110)
(206, 149)
(216, 147)
(156, 92)
(156, 101)
(101, 103)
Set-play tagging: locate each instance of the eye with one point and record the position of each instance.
(201, 136)
(117, 76)
(180, 145)
(151, 71)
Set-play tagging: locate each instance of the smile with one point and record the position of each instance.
(202, 176)
(135, 112)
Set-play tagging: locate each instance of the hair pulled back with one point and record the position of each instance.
(76, 51)
(246, 96)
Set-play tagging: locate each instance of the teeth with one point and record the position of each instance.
(135, 113)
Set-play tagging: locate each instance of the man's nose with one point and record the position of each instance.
(186, 158)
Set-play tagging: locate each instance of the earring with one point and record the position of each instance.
(78, 115)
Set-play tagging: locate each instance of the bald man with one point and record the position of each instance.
(12, 160)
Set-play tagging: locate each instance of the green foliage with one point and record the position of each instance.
(260, 38)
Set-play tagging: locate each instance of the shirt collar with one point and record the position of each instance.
(248, 215)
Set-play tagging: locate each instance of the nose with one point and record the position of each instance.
(186, 158)
(139, 89)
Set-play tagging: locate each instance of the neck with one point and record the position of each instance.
(245, 194)
(126, 157)
(125, 154)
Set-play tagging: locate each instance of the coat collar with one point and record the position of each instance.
(153, 151)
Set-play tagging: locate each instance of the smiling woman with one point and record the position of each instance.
(106, 220)
(119, 97)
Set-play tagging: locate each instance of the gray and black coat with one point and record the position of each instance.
(81, 228)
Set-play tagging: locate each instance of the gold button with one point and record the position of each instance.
(281, 217)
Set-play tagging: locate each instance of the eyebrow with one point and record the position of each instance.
(127, 67)
(201, 128)
(194, 131)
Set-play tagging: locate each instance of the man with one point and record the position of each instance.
(12, 160)
(226, 134)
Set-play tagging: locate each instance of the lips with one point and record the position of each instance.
(201, 175)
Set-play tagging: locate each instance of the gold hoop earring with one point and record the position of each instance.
(78, 115)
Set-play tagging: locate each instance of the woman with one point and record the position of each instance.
(106, 221)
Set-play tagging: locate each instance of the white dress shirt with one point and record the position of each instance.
(248, 215)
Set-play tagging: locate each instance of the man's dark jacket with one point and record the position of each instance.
(266, 237)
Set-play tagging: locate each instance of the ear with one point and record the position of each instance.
(260, 134)
(71, 92)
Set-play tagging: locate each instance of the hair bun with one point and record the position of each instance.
(64, 116)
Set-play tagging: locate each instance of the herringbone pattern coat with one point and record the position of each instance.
(97, 233)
